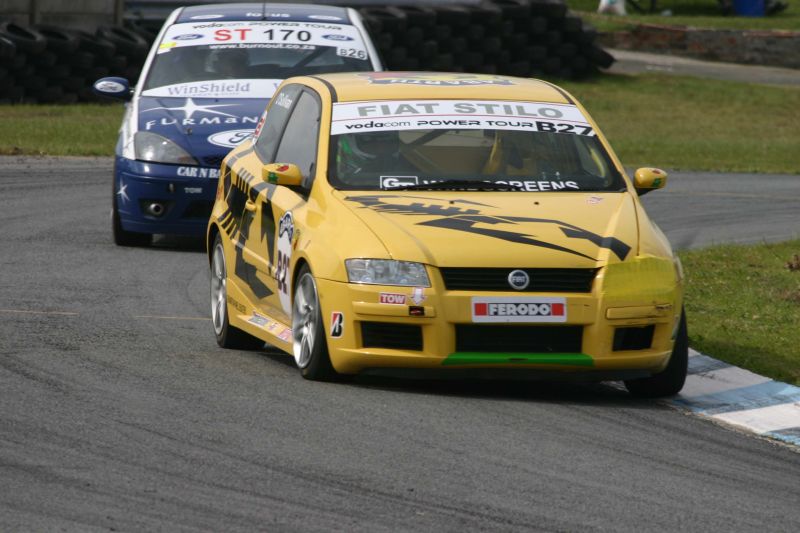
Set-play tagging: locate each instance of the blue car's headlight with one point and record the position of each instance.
(152, 147)
(387, 272)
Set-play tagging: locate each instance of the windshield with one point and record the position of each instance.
(191, 55)
(467, 145)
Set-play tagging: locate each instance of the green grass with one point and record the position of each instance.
(86, 129)
(743, 306)
(665, 121)
(689, 123)
(696, 13)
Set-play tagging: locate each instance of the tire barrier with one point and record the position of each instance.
(49, 64)
(513, 37)
(536, 38)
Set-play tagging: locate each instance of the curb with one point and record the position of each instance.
(740, 398)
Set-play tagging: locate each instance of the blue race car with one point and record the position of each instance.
(202, 91)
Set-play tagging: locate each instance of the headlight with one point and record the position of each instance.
(151, 147)
(386, 272)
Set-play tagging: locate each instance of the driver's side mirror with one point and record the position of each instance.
(649, 179)
(287, 174)
(113, 87)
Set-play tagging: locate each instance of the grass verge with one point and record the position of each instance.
(696, 13)
(691, 123)
(84, 129)
(743, 306)
(666, 121)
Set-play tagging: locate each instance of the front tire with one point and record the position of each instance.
(310, 346)
(669, 381)
(227, 336)
(126, 238)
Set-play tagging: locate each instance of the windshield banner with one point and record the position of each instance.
(358, 117)
(344, 38)
(217, 89)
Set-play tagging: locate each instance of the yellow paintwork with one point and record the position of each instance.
(649, 178)
(329, 226)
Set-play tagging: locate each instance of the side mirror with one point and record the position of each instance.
(117, 88)
(649, 179)
(282, 174)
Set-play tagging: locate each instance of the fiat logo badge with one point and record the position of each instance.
(518, 279)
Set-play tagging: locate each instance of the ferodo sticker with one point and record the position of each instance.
(284, 256)
(355, 117)
(519, 309)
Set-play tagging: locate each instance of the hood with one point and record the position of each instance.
(502, 229)
(207, 128)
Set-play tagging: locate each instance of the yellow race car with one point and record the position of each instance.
(445, 225)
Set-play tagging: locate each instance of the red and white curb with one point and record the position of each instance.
(737, 397)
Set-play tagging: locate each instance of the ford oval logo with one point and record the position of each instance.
(518, 279)
(336, 37)
(188, 37)
(229, 139)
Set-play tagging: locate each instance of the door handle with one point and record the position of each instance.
(250, 206)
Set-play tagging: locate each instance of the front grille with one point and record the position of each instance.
(199, 209)
(394, 336)
(639, 338)
(213, 161)
(541, 279)
(519, 339)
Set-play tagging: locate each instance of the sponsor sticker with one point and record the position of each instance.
(285, 335)
(284, 255)
(324, 17)
(229, 139)
(206, 17)
(284, 101)
(519, 309)
(337, 324)
(245, 88)
(272, 33)
(418, 295)
(435, 80)
(355, 117)
(192, 190)
(392, 298)
(392, 182)
(198, 172)
(258, 320)
(594, 200)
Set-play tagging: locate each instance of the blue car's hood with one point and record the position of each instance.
(207, 128)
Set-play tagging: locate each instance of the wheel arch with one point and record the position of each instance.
(211, 236)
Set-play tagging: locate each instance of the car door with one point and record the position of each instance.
(281, 213)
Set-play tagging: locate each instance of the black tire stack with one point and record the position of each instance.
(49, 64)
(512, 37)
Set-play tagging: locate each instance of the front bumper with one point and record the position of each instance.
(602, 337)
(185, 193)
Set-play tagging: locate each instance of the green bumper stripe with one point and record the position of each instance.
(484, 358)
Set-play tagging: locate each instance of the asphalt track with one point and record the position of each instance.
(119, 412)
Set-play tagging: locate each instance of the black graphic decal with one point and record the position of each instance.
(462, 219)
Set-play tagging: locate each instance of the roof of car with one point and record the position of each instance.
(264, 11)
(350, 87)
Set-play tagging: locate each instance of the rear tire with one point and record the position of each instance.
(310, 344)
(126, 238)
(227, 336)
(669, 381)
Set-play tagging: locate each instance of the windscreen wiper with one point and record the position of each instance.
(459, 185)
